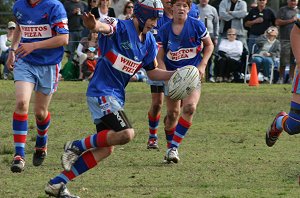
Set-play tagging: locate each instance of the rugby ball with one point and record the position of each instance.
(183, 82)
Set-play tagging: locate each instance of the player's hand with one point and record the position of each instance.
(10, 61)
(89, 21)
(24, 49)
(201, 69)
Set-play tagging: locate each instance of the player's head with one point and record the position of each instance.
(147, 9)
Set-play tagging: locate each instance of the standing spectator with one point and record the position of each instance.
(258, 20)
(157, 87)
(268, 50)
(232, 13)
(74, 9)
(127, 11)
(5, 43)
(209, 16)
(118, 6)
(286, 17)
(103, 10)
(229, 61)
(35, 56)
(181, 42)
(85, 43)
(126, 46)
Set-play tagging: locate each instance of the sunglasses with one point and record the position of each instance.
(229, 34)
(129, 7)
(12, 28)
(261, 0)
(94, 1)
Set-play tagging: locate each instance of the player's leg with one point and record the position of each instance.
(189, 106)
(286, 122)
(20, 123)
(47, 82)
(157, 97)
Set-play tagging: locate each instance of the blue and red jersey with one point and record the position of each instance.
(121, 55)
(184, 49)
(40, 22)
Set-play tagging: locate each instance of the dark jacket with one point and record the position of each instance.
(95, 12)
(274, 50)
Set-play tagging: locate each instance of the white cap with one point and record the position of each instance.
(11, 24)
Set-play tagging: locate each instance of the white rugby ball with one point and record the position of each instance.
(183, 82)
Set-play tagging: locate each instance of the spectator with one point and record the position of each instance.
(258, 21)
(118, 6)
(209, 16)
(5, 44)
(89, 65)
(74, 9)
(232, 13)
(229, 60)
(127, 11)
(103, 10)
(85, 43)
(286, 17)
(268, 49)
(92, 4)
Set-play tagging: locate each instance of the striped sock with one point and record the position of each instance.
(153, 126)
(181, 129)
(93, 141)
(20, 128)
(169, 136)
(42, 129)
(84, 163)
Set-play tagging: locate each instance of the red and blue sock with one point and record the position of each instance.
(153, 126)
(20, 130)
(84, 163)
(290, 123)
(93, 141)
(42, 129)
(181, 130)
(169, 136)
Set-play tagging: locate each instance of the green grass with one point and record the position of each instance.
(224, 154)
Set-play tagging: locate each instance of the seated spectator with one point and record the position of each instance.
(229, 57)
(267, 50)
(89, 65)
(85, 43)
(127, 11)
(103, 10)
(5, 43)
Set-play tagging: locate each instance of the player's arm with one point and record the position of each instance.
(95, 25)
(207, 52)
(14, 45)
(295, 42)
(57, 41)
(158, 73)
(160, 58)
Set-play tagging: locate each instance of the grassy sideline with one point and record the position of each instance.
(224, 154)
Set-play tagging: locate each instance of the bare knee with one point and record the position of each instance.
(22, 106)
(41, 115)
(156, 108)
(189, 109)
(126, 136)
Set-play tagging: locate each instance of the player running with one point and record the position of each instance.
(125, 47)
(35, 56)
(181, 42)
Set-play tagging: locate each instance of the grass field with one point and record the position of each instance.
(224, 154)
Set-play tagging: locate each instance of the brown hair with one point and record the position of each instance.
(125, 6)
(189, 2)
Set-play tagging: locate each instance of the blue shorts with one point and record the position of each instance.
(155, 83)
(103, 105)
(45, 78)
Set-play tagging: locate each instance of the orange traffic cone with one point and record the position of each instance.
(253, 76)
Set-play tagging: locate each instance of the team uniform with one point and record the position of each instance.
(37, 22)
(183, 49)
(40, 22)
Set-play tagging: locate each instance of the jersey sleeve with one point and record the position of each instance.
(112, 22)
(148, 61)
(59, 19)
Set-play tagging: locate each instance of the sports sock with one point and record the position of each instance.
(20, 128)
(291, 123)
(93, 141)
(181, 129)
(42, 129)
(169, 136)
(84, 163)
(153, 125)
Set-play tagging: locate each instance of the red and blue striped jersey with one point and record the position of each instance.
(40, 22)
